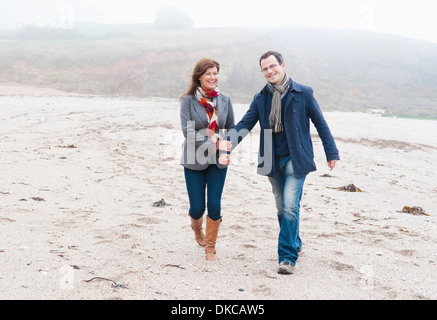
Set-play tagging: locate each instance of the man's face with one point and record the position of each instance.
(272, 70)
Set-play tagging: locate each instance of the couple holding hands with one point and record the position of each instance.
(283, 109)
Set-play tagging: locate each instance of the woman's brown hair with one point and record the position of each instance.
(200, 68)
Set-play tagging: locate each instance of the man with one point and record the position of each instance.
(283, 109)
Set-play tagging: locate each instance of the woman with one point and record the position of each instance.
(205, 110)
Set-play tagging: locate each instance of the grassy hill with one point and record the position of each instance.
(349, 70)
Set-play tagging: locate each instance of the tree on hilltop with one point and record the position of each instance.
(170, 18)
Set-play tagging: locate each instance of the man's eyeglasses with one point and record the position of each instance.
(272, 66)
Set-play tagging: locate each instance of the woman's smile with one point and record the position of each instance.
(209, 79)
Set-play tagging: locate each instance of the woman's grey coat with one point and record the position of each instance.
(197, 151)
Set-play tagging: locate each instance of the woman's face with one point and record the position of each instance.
(209, 80)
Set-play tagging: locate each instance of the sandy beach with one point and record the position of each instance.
(93, 205)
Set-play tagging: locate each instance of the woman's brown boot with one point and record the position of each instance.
(212, 228)
(196, 225)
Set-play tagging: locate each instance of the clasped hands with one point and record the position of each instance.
(225, 158)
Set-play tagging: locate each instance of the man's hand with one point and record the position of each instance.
(331, 164)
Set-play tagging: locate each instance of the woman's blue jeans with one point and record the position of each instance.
(212, 179)
(287, 190)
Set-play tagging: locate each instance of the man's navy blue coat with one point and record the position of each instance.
(300, 107)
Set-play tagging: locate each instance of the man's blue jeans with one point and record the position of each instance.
(287, 190)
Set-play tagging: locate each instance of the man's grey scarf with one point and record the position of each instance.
(275, 114)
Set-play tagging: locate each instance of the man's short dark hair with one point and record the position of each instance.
(277, 55)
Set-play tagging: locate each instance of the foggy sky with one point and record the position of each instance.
(408, 18)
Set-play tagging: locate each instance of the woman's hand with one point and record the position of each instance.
(225, 145)
(224, 159)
